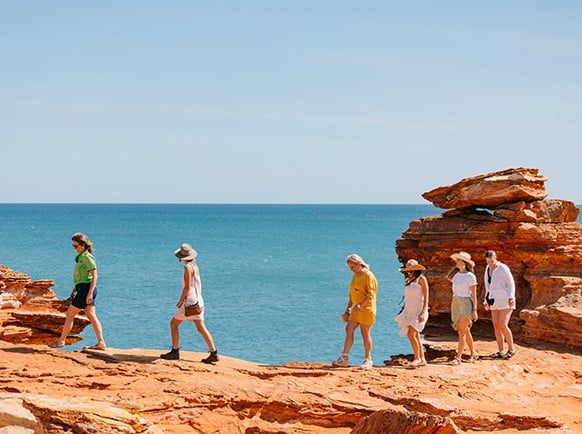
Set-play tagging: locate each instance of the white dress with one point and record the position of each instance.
(413, 302)
(194, 295)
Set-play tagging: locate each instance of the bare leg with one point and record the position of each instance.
(503, 324)
(367, 338)
(174, 324)
(62, 340)
(350, 329)
(201, 327)
(462, 330)
(92, 315)
(415, 343)
(495, 317)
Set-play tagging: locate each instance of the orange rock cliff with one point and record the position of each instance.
(48, 391)
(538, 238)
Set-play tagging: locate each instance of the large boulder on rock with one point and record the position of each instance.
(539, 240)
(491, 190)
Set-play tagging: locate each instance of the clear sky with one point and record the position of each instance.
(284, 101)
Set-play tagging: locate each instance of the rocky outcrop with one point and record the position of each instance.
(491, 190)
(30, 311)
(538, 239)
(134, 391)
(31, 413)
(405, 422)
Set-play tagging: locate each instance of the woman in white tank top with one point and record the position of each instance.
(191, 295)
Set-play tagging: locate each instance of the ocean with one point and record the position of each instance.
(274, 277)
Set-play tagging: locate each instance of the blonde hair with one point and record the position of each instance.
(357, 259)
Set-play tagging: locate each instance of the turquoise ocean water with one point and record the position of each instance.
(274, 276)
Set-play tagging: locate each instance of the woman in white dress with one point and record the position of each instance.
(414, 314)
(191, 295)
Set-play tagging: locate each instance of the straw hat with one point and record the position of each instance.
(463, 256)
(185, 252)
(412, 265)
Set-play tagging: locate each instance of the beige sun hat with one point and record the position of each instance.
(185, 252)
(463, 256)
(412, 265)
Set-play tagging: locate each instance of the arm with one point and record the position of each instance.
(510, 288)
(94, 279)
(371, 288)
(474, 300)
(424, 285)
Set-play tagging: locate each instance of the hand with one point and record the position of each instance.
(486, 306)
(358, 307)
(421, 317)
(475, 316)
(89, 299)
(180, 303)
(511, 302)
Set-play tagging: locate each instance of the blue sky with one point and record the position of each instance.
(284, 102)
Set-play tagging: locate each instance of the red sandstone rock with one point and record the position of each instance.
(538, 240)
(405, 422)
(491, 190)
(541, 211)
(134, 391)
(30, 311)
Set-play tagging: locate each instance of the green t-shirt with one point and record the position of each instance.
(84, 263)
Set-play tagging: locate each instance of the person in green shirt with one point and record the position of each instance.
(84, 293)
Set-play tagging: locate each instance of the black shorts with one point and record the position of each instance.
(80, 300)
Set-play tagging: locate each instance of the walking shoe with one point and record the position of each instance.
(212, 358)
(367, 364)
(174, 354)
(342, 361)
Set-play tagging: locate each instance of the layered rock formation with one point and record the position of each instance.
(30, 311)
(537, 238)
(134, 391)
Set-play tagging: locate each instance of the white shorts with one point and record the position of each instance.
(501, 303)
(180, 316)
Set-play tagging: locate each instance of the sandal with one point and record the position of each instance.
(342, 361)
(509, 354)
(455, 362)
(56, 344)
(496, 355)
(473, 358)
(417, 363)
(96, 347)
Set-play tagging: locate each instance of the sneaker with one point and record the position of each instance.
(174, 354)
(367, 364)
(212, 358)
(342, 361)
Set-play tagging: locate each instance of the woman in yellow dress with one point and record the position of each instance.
(361, 309)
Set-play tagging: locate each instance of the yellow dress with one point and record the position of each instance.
(362, 286)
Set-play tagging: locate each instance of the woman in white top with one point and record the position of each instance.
(414, 314)
(464, 304)
(500, 300)
(191, 295)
